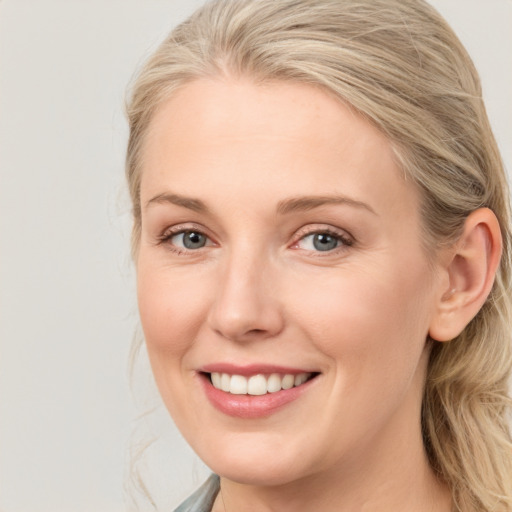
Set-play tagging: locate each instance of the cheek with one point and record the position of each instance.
(372, 322)
(172, 310)
(172, 306)
(374, 334)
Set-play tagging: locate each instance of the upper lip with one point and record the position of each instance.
(251, 369)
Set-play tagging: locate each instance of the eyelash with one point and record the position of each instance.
(168, 234)
(345, 240)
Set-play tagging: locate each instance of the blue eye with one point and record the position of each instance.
(189, 240)
(325, 242)
(322, 242)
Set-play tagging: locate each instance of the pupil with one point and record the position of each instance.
(324, 242)
(193, 240)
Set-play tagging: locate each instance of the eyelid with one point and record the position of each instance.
(171, 231)
(182, 227)
(311, 229)
(343, 235)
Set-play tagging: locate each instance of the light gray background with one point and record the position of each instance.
(67, 301)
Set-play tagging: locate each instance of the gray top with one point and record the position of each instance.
(202, 500)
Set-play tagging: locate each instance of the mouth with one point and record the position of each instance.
(257, 393)
(259, 384)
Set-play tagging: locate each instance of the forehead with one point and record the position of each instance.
(280, 138)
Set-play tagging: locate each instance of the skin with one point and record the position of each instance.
(259, 292)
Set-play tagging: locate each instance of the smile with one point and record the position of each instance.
(259, 384)
(255, 391)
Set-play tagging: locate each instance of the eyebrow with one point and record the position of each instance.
(294, 204)
(186, 202)
(305, 203)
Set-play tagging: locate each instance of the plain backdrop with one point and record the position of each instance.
(67, 294)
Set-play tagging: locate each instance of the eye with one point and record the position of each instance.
(323, 241)
(185, 239)
(189, 240)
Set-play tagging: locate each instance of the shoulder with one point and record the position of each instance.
(202, 499)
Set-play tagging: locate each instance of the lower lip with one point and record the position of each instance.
(251, 406)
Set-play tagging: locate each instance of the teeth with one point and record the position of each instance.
(225, 382)
(257, 384)
(300, 379)
(216, 380)
(238, 385)
(288, 381)
(274, 383)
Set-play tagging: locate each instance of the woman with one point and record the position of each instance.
(322, 241)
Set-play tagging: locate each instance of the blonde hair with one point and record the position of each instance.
(399, 65)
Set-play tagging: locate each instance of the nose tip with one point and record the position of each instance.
(245, 308)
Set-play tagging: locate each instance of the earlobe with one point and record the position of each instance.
(469, 275)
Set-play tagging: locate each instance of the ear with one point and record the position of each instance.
(468, 270)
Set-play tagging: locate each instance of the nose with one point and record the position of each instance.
(246, 306)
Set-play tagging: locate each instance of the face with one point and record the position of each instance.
(283, 289)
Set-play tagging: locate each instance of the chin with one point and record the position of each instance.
(254, 465)
(274, 473)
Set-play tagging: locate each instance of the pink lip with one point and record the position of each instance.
(249, 406)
